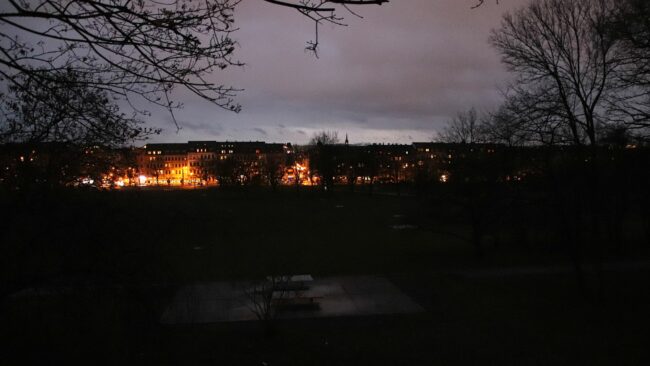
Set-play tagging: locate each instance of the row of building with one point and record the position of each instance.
(213, 162)
(201, 163)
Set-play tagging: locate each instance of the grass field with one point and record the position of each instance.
(84, 243)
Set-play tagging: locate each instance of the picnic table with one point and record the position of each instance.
(291, 283)
(295, 298)
(294, 291)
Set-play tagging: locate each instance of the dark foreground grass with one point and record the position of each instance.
(106, 263)
(209, 234)
(179, 236)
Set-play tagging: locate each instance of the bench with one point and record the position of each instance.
(291, 283)
(283, 298)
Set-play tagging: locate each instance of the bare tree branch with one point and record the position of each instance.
(320, 11)
(560, 49)
(123, 47)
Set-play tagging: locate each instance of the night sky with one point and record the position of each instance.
(396, 76)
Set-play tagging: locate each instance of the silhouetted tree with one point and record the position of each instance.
(505, 127)
(322, 157)
(121, 48)
(64, 108)
(325, 138)
(226, 171)
(561, 50)
(323, 161)
(474, 185)
(532, 114)
(262, 295)
(630, 26)
(370, 168)
(352, 164)
(273, 169)
(574, 86)
(465, 127)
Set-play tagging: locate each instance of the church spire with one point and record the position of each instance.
(346, 138)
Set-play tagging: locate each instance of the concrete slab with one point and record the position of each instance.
(338, 296)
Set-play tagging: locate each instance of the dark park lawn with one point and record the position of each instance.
(87, 275)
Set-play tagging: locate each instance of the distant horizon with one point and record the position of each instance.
(301, 135)
(342, 141)
(289, 142)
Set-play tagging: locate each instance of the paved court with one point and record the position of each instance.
(338, 296)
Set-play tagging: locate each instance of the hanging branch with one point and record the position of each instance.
(125, 48)
(324, 11)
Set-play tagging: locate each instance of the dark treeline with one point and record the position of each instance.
(589, 204)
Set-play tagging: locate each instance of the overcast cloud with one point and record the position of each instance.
(395, 76)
